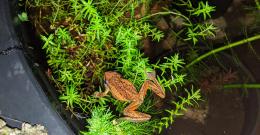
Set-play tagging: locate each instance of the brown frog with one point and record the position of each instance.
(124, 90)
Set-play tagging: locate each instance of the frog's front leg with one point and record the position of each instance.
(102, 94)
(154, 86)
(135, 116)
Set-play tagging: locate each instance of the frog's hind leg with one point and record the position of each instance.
(134, 116)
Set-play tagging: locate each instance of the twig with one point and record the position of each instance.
(222, 48)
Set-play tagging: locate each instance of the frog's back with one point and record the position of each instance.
(122, 89)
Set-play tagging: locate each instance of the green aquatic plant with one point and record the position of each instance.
(23, 17)
(171, 68)
(244, 86)
(85, 38)
(67, 70)
(203, 9)
(225, 47)
(71, 97)
(173, 63)
(196, 30)
(180, 106)
(103, 122)
(257, 4)
(200, 31)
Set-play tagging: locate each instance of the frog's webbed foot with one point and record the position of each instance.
(99, 94)
(134, 116)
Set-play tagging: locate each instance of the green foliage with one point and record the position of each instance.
(85, 38)
(35, 3)
(171, 68)
(203, 9)
(194, 30)
(23, 17)
(68, 70)
(200, 30)
(109, 37)
(71, 97)
(174, 79)
(173, 63)
(103, 122)
(130, 61)
(257, 4)
(180, 106)
(100, 122)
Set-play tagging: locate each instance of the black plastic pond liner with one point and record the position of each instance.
(252, 103)
(26, 95)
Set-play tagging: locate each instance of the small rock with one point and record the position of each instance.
(2, 123)
(168, 43)
(177, 21)
(197, 114)
(162, 24)
(156, 8)
(221, 25)
(27, 129)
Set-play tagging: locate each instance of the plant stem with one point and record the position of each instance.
(222, 48)
(257, 4)
(247, 86)
(166, 13)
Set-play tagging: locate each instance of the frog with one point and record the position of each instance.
(125, 91)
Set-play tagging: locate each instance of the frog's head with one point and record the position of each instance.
(111, 74)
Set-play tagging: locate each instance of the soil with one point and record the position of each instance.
(225, 117)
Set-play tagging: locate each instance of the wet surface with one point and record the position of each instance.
(231, 112)
(9, 50)
(250, 56)
(225, 117)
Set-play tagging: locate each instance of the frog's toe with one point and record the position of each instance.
(98, 94)
(136, 119)
(135, 116)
